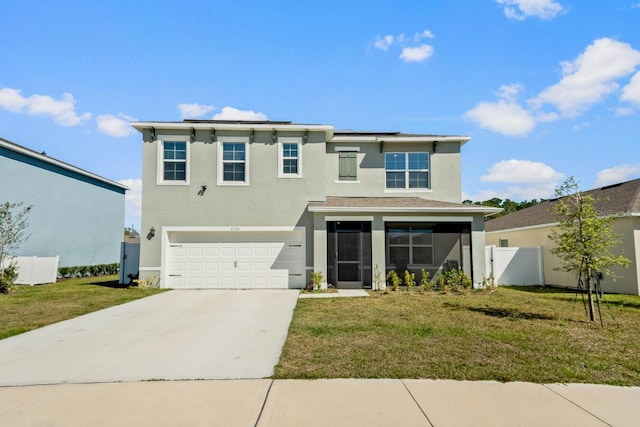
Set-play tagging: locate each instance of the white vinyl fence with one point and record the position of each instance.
(36, 270)
(515, 266)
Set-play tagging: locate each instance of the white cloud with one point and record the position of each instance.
(425, 34)
(522, 9)
(522, 172)
(384, 42)
(230, 113)
(133, 202)
(62, 111)
(416, 54)
(591, 77)
(12, 100)
(617, 174)
(522, 179)
(546, 117)
(623, 111)
(409, 53)
(510, 92)
(517, 193)
(505, 116)
(194, 110)
(631, 92)
(117, 126)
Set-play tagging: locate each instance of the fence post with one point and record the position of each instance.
(540, 266)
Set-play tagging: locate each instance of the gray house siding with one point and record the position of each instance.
(74, 215)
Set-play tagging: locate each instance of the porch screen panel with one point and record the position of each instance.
(331, 253)
(367, 272)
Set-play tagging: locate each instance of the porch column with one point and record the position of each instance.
(378, 250)
(320, 244)
(477, 251)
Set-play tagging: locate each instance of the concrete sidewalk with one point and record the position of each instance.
(338, 402)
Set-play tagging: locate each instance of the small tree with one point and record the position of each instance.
(13, 225)
(584, 238)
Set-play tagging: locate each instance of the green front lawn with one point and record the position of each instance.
(513, 334)
(31, 307)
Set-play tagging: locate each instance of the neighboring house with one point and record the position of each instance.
(239, 204)
(531, 227)
(75, 214)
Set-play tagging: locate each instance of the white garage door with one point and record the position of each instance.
(235, 260)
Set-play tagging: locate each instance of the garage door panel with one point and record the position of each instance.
(194, 251)
(244, 252)
(178, 251)
(211, 252)
(226, 267)
(236, 260)
(261, 252)
(178, 267)
(211, 267)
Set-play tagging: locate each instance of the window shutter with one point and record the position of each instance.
(348, 168)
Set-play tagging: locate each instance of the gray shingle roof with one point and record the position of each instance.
(622, 198)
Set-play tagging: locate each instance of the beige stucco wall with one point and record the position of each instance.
(629, 278)
(267, 201)
(444, 171)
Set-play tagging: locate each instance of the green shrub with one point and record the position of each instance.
(88, 270)
(426, 284)
(394, 279)
(409, 280)
(316, 278)
(8, 276)
(454, 280)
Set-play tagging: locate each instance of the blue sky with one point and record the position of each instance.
(547, 89)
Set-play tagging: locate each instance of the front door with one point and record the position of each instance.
(349, 254)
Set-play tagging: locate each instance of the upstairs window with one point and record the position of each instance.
(233, 161)
(289, 157)
(173, 160)
(407, 170)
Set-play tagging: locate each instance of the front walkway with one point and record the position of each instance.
(340, 402)
(341, 293)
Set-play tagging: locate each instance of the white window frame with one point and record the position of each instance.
(406, 171)
(233, 140)
(160, 162)
(281, 158)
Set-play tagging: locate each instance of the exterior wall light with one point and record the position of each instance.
(151, 233)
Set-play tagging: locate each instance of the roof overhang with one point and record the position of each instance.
(50, 160)
(401, 138)
(387, 209)
(277, 126)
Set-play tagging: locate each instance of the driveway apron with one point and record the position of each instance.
(176, 335)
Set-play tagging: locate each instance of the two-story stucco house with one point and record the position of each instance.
(239, 204)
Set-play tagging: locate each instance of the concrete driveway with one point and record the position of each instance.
(177, 335)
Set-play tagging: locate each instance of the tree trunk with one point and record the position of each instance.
(592, 315)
